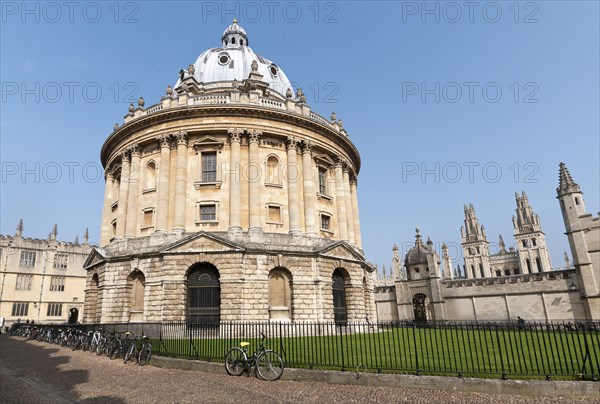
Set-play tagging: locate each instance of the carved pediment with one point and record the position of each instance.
(202, 242)
(207, 143)
(342, 250)
(324, 160)
(94, 258)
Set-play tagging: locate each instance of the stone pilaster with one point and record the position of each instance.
(123, 194)
(235, 208)
(133, 197)
(309, 190)
(162, 206)
(340, 201)
(355, 214)
(348, 198)
(292, 180)
(105, 233)
(180, 181)
(254, 179)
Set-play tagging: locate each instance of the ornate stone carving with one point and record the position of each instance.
(354, 180)
(191, 69)
(289, 93)
(291, 143)
(116, 127)
(134, 149)
(306, 146)
(181, 137)
(141, 102)
(254, 66)
(235, 135)
(169, 90)
(131, 107)
(164, 141)
(254, 136)
(333, 117)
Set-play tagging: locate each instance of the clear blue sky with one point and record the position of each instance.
(419, 86)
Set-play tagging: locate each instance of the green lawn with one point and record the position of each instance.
(473, 352)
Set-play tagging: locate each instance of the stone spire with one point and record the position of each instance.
(566, 185)
(567, 261)
(501, 244)
(54, 232)
(86, 237)
(19, 232)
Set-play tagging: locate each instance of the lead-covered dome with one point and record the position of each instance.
(233, 61)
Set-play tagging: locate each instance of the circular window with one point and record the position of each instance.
(224, 58)
(274, 69)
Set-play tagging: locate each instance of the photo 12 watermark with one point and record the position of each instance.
(455, 12)
(469, 172)
(326, 12)
(53, 92)
(70, 12)
(470, 92)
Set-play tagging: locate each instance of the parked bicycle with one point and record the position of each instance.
(267, 363)
(141, 355)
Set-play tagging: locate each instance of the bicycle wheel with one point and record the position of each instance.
(145, 354)
(101, 346)
(117, 350)
(234, 361)
(269, 366)
(129, 354)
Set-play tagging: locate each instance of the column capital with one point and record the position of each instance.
(254, 135)
(125, 155)
(341, 163)
(164, 141)
(235, 135)
(291, 143)
(135, 150)
(108, 173)
(181, 137)
(354, 180)
(306, 146)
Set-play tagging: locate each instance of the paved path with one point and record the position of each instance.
(35, 372)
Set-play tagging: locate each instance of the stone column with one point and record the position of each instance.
(340, 201)
(105, 234)
(293, 175)
(355, 215)
(180, 181)
(309, 190)
(347, 197)
(134, 186)
(123, 194)
(254, 179)
(235, 207)
(162, 208)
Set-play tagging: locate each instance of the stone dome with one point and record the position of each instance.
(233, 61)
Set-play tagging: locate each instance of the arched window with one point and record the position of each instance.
(273, 169)
(481, 271)
(150, 175)
(538, 262)
(136, 303)
(241, 42)
(340, 314)
(280, 295)
(204, 294)
(233, 41)
(528, 265)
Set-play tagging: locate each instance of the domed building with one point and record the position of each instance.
(229, 200)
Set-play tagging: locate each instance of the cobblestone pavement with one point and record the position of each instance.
(36, 372)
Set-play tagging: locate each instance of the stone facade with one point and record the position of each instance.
(229, 200)
(503, 286)
(42, 279)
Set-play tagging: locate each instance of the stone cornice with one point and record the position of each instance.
(229, 110)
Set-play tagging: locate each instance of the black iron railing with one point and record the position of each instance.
(499, 349)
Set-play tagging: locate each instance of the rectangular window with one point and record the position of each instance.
(322, 181)
(27, 259)
(148, 218)
(60, 261)
(325, 222)
(274, 213)
(20, 309)
(209, 167)
(23, 282)
(57, 284)
(54, 309)
(208, 213)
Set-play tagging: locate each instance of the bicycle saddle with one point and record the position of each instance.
(244, 344)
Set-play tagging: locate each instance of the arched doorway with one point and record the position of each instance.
(73, 315)
(280, 295)
(420, 307)
(138, 286)
(340, 313)
(204, 294)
